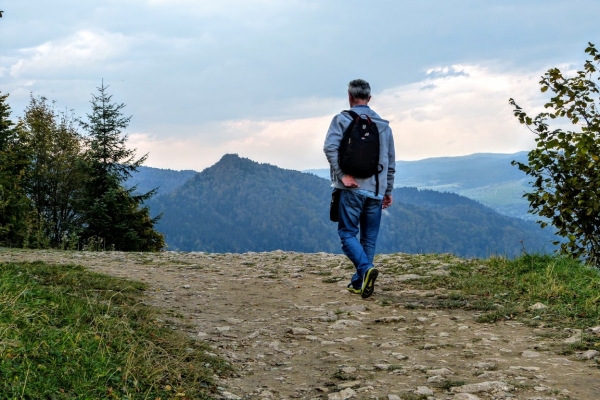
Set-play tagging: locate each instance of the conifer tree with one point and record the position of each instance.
(114, 217)
(14, 204)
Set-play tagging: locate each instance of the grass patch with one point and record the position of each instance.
(343, 376)
(448, 384)
(507, 314)
(505, 289)
(386, 302)
(453, 301)
(66, 333)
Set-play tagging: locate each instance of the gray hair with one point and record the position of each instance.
(359, 89)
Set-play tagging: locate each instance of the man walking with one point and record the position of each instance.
(361, 199)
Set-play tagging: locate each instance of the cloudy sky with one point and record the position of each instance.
(263, 78)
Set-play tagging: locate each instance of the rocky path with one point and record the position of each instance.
(291, 329)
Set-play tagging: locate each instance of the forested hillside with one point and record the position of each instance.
(428, 221)
(238, 205)
(163, 180)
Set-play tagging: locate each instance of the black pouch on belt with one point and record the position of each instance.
(334, 209)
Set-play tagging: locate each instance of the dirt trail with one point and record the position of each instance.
(291, 329)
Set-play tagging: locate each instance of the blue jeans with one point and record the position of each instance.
(358, 210)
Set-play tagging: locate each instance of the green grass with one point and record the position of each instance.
(499, 194)
(386, 302)
(448, 384)
(505, 289)
(66, 333)
(343, 376)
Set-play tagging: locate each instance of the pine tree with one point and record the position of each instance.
(14, 204)
(114, 217)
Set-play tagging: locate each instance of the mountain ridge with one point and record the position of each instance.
(239, 205)
(488, 178)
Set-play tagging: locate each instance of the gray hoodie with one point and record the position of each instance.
(387, 152)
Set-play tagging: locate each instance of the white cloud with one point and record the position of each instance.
(463, 110)
(83, 49)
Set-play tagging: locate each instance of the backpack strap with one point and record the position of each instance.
(353, 114)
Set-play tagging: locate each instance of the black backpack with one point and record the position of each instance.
(359, 150)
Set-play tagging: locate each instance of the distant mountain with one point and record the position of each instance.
(454, 173)
(486, 177)
(459, 173)
(164, 180)
(238, 205)
(429, 221)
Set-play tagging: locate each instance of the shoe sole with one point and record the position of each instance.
(353, 290)
(369, 283)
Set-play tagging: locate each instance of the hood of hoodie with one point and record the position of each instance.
(361, 110)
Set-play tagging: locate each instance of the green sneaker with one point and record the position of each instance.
(369, 282)
(352, 289)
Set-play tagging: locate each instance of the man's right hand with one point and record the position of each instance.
(387, 201)
(348, 181)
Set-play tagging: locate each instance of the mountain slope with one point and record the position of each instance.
(430, 221)
(164, 180)
(238, 205)
(465, 172)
